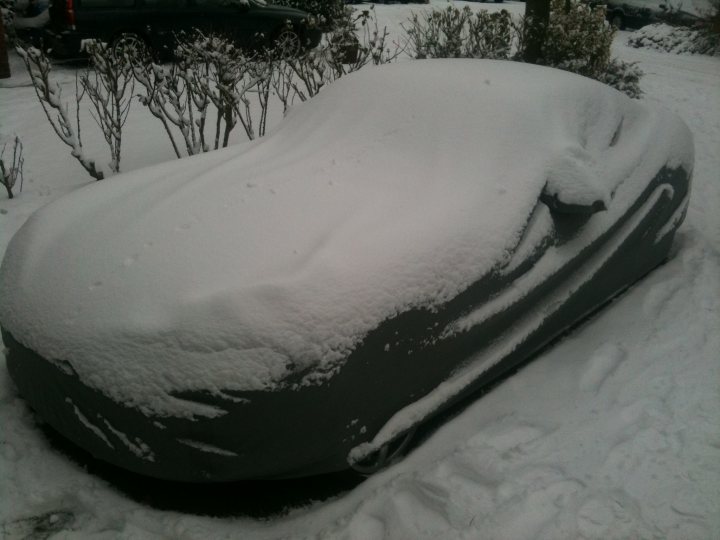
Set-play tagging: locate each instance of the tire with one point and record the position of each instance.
(617, 20)
(287, 41)
(130, 42)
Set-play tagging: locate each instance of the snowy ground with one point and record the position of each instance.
(613, 433)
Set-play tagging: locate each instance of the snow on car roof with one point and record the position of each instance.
(396, 187)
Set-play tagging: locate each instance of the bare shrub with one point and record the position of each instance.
(210, 75)
(373, 46)
(58, 114)
(166, 97)
(12, 169)
(109, 86)
(356, 42)
(214, 68)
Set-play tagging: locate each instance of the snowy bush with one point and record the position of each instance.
(439, 34)
(676, 39)
(491, 35)
(623, 76)
(455, 33)
(577, 39)
(11, 167)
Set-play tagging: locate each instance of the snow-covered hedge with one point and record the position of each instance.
(456, 33)
(676, 39)
(623, 76)
(577, 39)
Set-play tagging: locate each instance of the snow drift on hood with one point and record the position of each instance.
(395, 187)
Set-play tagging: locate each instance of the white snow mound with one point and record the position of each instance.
(395, 187)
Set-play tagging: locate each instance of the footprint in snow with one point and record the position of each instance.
(468, 493)
(362, 527)
(659, 295)
(508, 439)
(612, 514)
(419, 511)
(601, 366)
(38, 527)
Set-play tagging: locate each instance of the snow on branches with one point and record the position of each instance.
(13, 169)
(50, 95)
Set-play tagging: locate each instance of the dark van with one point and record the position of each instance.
(154, 23)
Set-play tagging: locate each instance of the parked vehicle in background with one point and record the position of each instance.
(155, 23)
(638, 13)
(390, 1)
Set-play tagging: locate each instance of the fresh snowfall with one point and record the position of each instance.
(612, 433)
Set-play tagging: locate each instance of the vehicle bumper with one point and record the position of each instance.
(62, 43)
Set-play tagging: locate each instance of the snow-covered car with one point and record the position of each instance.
(302, 303)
